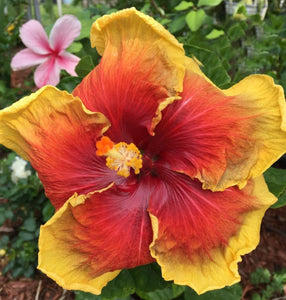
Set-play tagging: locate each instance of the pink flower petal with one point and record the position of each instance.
(25, 59)
(48, 73)
(34, 37)
(68, 62)
(65, 30)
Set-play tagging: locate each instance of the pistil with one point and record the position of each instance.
(120, 157)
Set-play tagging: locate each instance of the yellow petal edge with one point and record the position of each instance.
(259, 94)
(27, 119)
(222, 270)
(57, 258)
(118, 29)
(99, 39)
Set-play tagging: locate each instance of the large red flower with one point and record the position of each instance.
(149, 161)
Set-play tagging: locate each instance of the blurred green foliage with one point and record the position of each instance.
(23, 209)
(12, 13)
(269, 286)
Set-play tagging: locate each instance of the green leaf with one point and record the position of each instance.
(30, 225)
(260, 276)
(17, 271)
(219, 75)
(74, 47)
(79, 295)
(255, 297)
(209, 2)
(148, 278)
(26, 236)
(214, 34)
(28, 272)
(2, 219)
(8, 214)
(195, 19)
(276, 181)
(164, 294)
(281, 200)
(4, 240)
(236, 32)
(85, 27)
(121, 286)
(69, 83)
(177, 24)
(184, 5)
(48, 211)
(84, 66)
(178, 289)
(3, 87)
(233, 292)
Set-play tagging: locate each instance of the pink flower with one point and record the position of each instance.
(50, 53)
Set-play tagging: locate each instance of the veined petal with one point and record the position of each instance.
(64, 31)
(93, 236)
(130, 28)
(48, 73)
(224, 137)
(25, 59)
(34, 37)
(141, 69)
(60, 261)
(68, 62)
(199, 235)
(57, 134)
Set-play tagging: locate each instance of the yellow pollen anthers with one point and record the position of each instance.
(120, 157)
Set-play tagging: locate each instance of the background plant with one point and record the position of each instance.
(23, 209)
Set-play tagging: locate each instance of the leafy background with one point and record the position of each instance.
(229, 47)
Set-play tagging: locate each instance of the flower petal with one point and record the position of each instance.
(57, 134)
(123, 29)
(199, 235)
(142, 68)
(68, 62)
(48, 73)
(224, 137)
(64, 31)
(34, 37)
(60, 261)
(96, 235)
(25, 59)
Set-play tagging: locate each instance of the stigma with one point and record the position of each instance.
(120, 157)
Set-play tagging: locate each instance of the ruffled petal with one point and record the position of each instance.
(57, 134)
(64, 32)
(199, 235)
(25, 59)
(93, 236)
(60, 261)
(34, 37)
(222, 138)
(68, 62)
(140, 73)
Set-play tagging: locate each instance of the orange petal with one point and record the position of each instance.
(222, 138)
(96, 235)
(140, 73)
(59, 260)
(57, 134)
(142, 42)
(199, 235)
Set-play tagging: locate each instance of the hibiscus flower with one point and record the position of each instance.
(147, 160)
(50, 53)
